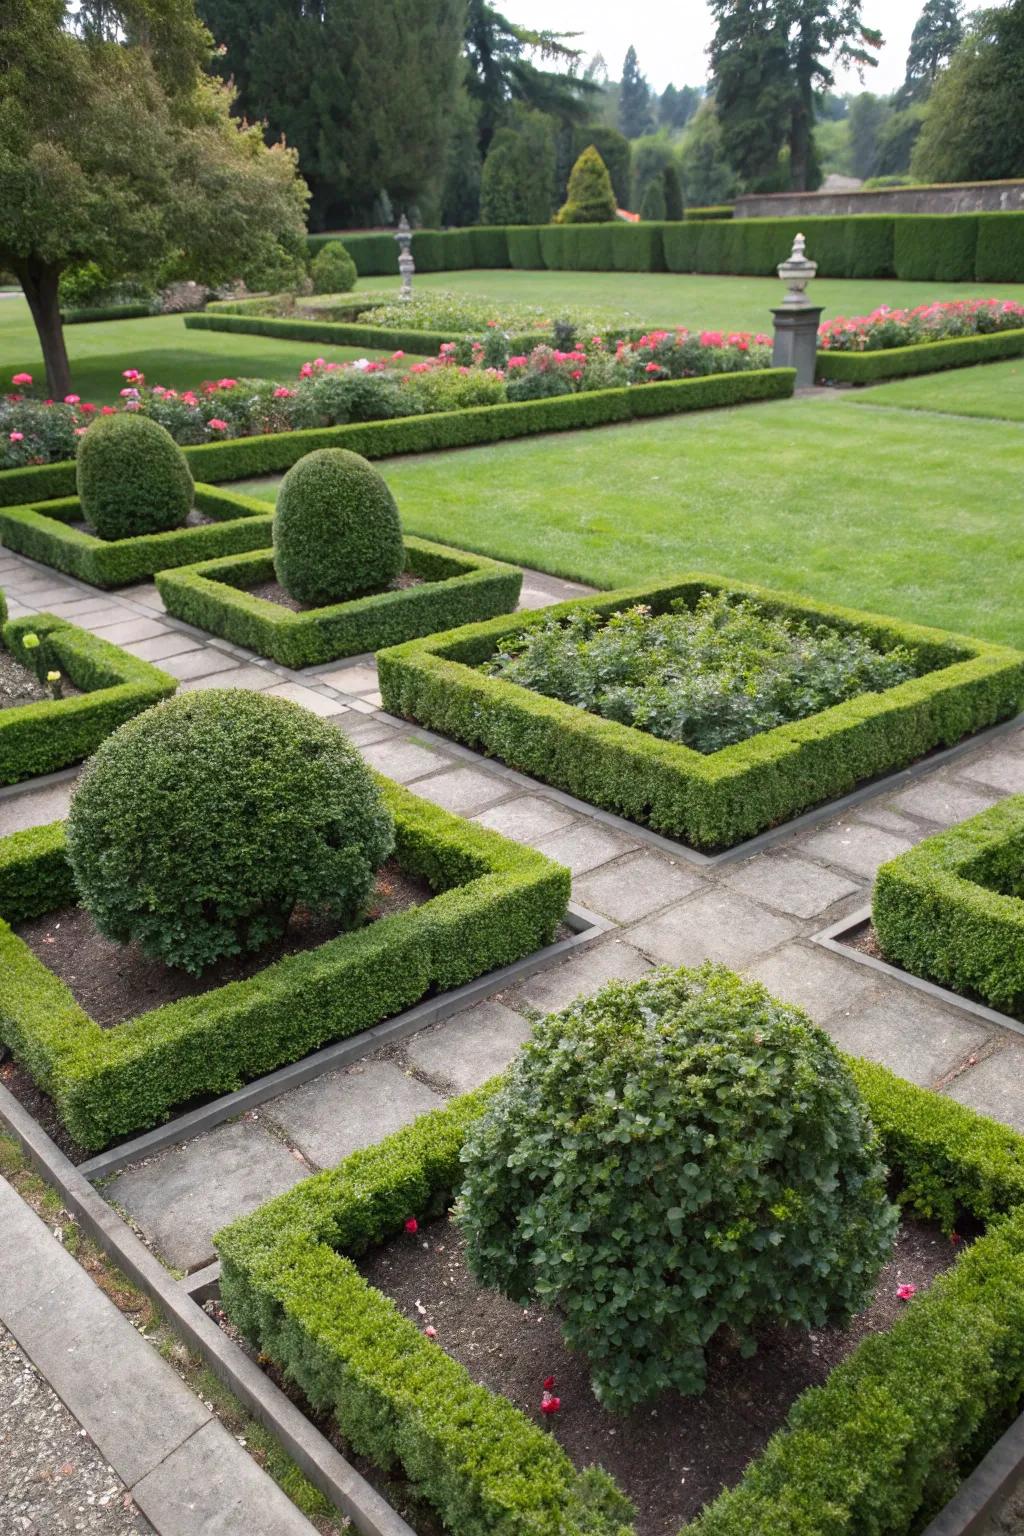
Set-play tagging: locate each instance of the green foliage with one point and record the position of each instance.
(717, 801)
(246, 806)
(951, 909)
(935, 249)
(517, 183)
(55, 733)
(495, 902)
(456, 589)
(928, 357)
(332, 269)
(867, 120)
(612, 1178)
(707, 677)
(938, 33)
(999, 256)
(614, 149)
(337, 532)
(500, 69)
(636, 111)
(652, 205)
(35, 876)
(704, 167)
(590, 199)
(973, 127)
(132, 478)
(673, 190)
(41, 532)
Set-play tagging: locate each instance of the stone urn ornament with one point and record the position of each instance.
(795, 344)
(406, 264)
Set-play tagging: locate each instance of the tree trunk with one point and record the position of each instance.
(39, 283)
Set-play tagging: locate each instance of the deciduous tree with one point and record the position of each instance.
(974, 125)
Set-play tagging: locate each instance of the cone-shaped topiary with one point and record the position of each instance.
(132, 477)
(332, 269)
(672, 1158)
(336, 529)
(199, 826)
(590, 198)
(652, 204)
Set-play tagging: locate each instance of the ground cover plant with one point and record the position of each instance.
(952, 908)
(57, 727)
(878, 1447)
(716, 799)
(265, 849)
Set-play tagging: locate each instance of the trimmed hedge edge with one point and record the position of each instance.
(876, 1448)
(926, 357)
(55, 733)
(341, 333)
(239, 458)
(495, 901)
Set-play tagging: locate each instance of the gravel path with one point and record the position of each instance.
(53, 1480)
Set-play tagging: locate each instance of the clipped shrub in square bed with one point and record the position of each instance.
(877, 1448)
(951, 909)
(716, 799)
(495, 901)
(46, 531)
(55, 733)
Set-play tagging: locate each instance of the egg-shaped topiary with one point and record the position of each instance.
(200, 825)
(332, 269)
(671, 1158)
(132, 477)
(336, 529)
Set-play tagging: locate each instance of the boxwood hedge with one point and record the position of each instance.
(876, 1449)
(716, 800)
(952, 908)
(43, 531)
(342, 333)
(54, 733)
(241, 457)
(457, 588)
(925, 357)
(495, 901)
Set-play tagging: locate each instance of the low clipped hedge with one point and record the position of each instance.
(495, 901)
(457, 588)
(877, 1448)
(88, 313)
(345, 334)
(43, 532)
(55, 733)
(952, 908)
(924, 357)
(713, 800)
(239, 458)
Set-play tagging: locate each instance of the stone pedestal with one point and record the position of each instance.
(796, 341)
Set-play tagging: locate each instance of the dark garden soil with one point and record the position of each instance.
(195, 519)
(19, 685)
(114, 982)
(273, 592)
(675, 1454)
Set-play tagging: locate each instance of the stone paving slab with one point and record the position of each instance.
(124, 630)
(944, 800)
(585, 846)
(636, 885)
(35, 807)
(1000, 768)
(170, 643)
(470, 1047)
(405, 760)
(335, 1115)
(910, 1034)
(611, 960)
(996, 1085)
(298, 693)
(527, 819)
(255, 678)
(815, 979)
(856, 846)
(464, 790)
(199, 662)
(717, 925)
(790, 884)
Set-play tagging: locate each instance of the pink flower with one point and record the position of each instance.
(80, 430)
(87, 409)
(430, 1332)
(216, 425)
(905, 1292)
(17, 437)
(226, 383)
(306, 371)
(549, 1404)
(549, 1383)
(281, 393)
(517, 362)
(72, 399)
(652, 368)
(127, 394)
(396, 355)
(108, 410)
(133, 376)
(412, 1225)
(132, 405)
(22, 378)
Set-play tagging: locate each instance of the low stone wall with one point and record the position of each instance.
(958, 197)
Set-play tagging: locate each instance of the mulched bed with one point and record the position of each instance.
(195, 519)
(674, 1455)
(273, 592)
(19, 685)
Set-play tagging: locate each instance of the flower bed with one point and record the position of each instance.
(887, 328)
(716, 800)
(926, 357)
(952, 908)
(495, 901)
(55, 733)
(44, 531)
(877, 1448)
(455, 588)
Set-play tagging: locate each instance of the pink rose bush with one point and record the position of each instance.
(886, 327)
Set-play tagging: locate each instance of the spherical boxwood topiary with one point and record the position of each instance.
(200, 825)
(671, 1158)
(132, 477)
(332, 269)
(336, 529)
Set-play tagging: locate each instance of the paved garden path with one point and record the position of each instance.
(757, 915)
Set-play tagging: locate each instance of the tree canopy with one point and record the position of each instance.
(635, 112)
(938, 33)
(502, 69)
(974, 126)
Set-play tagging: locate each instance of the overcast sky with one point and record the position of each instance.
(670, 36)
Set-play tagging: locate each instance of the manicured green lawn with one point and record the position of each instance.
(888, 510)
(992, 389)
(712, 303)
(160, 346)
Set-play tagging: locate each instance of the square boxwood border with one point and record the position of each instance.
(939, 912)
(496, 902)
(41, 532)
(715, 800)
(883, 1439)
(923, 357)
(457, 588)
(56, 733)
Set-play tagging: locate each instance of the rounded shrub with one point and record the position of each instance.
(671, 1158)
(332, 269)
(336, 529)
(200, 825)
(132, 477)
